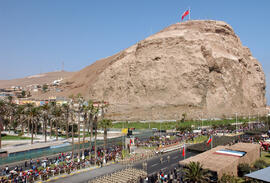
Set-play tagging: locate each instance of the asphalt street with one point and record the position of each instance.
(153, 166)
(86, 176)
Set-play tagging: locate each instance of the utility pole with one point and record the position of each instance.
(123, 136)
(212, 141)
(160, 128)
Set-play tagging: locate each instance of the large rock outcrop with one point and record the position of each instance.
(196, 67)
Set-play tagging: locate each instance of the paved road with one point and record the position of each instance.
(85, 176)
(153, 166)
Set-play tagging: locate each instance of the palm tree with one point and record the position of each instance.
(38, 116)
(16, 117)
(32, 113)
(57, 113)
(45, 112)
(2, 114)
(95, 125)
(194, 173)
(27, 109)
(71, 107)
(92, 112)
(88, 118)
(105, 124)
(1, 128)
(20, 116)
(10, 112)
(66, 110)
(85, 119)
(79, 101)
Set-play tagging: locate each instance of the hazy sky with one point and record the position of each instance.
(39, 35)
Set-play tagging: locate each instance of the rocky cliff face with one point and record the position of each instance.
(197, 67)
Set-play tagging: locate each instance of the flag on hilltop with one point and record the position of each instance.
(209, 140)
(185, 14)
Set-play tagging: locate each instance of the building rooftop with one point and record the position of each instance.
(214, 161)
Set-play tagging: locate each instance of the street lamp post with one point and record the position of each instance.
(249, 121)
(160, 129)
(235, 122)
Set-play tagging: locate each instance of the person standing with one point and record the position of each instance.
(7, 170)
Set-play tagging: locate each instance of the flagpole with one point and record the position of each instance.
(211, 141)
(189, 13)
(185, 151)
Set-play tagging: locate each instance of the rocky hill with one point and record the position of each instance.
(36, 79)
(196, 67)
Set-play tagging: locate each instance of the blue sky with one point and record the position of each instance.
(38, 35)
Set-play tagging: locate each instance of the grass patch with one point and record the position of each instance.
(149, 148)
(199, 139)
(216, 141)
(12, 137)
(173, 125)
(266, 157)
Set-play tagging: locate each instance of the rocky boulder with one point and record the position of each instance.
(196, 67)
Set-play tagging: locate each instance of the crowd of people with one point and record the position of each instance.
(168, 176)
(42, 169)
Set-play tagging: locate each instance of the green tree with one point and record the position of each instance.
(260, 164)
(243, 169)
(44, 87)
(2, 116)
(228, 179)
(184, 115)
(23, 94)
(105, 124)
(194, 173)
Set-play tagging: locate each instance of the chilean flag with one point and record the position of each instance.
(209, 140)
(183, 152)
(185, 14)
(130, 142)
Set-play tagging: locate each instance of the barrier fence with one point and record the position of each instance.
(48, 151)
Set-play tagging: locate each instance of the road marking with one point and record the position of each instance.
(154, 164)
(64, 175)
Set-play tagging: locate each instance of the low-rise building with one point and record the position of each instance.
(225, 159)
